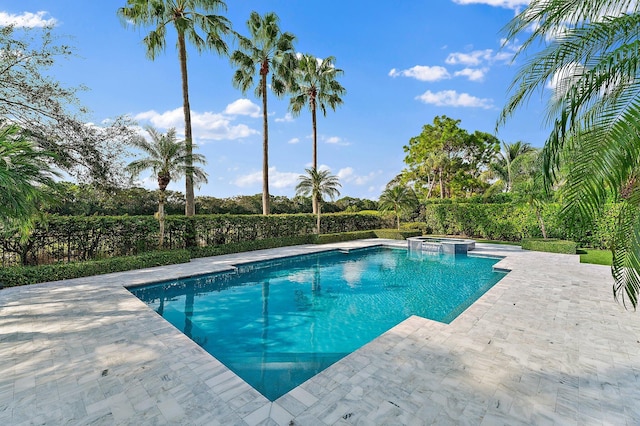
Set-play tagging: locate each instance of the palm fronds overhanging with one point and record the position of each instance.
(589, 55)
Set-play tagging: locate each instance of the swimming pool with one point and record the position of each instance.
(280, 322)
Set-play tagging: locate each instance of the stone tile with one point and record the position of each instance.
(546, 345)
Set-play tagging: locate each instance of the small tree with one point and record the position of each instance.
(168, 158)
(317, 183)
(398, 198)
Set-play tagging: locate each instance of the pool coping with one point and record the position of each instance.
(384, 381)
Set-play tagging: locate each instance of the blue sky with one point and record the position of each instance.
(403, 64)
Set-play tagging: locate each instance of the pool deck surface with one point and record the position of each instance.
(546, 345)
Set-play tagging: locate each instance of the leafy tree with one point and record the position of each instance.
(190, 18)
(449, 155)
(590, 59)
(318, 183)
(168, 158)
(50, 113)
(314, 85)
(399, 198)
(24, 174)
(268, 50)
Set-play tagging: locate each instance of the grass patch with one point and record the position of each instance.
(597, 257)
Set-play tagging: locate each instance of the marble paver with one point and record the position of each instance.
(546, 345)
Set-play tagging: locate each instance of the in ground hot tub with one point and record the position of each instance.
(440, 245)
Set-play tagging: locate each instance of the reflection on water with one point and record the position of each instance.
(278, 323)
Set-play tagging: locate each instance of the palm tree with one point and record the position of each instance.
(167, 158)
(25, 173)
(190, 18)
(502, 167)
(267, 51)
(399, 198)
(314, 84)
(590, 58)
(317, 183)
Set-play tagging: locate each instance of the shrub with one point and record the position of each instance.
(251, 245)
(344, 236)
(394, 234)
(22, 275)
(549, 245)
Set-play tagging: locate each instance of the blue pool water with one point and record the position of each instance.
(278, 323)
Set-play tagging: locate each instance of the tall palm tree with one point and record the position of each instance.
(317, 183)
(590, 58)
(503, 164)
(24, 174)
(167, 158)
(268, 50)
(399, 198)
(190, 18)
(314, 85)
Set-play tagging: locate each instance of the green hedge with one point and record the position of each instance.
(549, 245)
(344, 236)
(394, 234)
(68, 239)
(251, 245)
(23, 275)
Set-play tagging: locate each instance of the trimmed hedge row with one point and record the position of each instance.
(68, 239)
(23, 275)
(251, 245)
(549, 245)
(514, 222)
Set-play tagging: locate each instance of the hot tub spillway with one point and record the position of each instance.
(440, 245)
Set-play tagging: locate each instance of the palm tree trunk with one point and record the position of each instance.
(541, 221)
(318, 220)
(314, 200)
(397, 217)
(188, 137)
(265, 142)
(441, 185)
(161, 219)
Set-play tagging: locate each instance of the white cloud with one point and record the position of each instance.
(473, 74)
(206, 125)
(472, 58)
(348, 175)
(333, 139)
(293, 140)
(27, 19)
(276, 179)
(243, 107)
(507, 4)
(454, 99)
(422, 73)
(286, 119)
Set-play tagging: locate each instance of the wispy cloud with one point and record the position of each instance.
(293, 140)
(206, 125)
(507, 4)
(277, 179)
(334, 140)
(422, 73)
(349, 175)
(288, 118)
(27, 19)
(454, 99)
(473, 74)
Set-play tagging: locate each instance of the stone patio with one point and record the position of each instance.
(546, 345)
